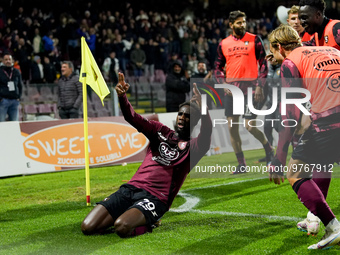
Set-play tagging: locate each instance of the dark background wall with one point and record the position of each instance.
(218, 8)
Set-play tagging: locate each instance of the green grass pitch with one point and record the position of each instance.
(214, 214)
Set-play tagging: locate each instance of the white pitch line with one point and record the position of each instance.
(264, 216)
(192, 201)
(225, 184)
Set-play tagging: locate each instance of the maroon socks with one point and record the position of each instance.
(311, 196)
(240, 158)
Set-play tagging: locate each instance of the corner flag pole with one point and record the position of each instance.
(90, 75)
(86, 143)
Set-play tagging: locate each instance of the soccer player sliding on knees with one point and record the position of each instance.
(139, 204)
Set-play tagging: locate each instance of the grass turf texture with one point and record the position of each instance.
(41, 214)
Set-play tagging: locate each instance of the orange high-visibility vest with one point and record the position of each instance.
(306, 37)
(241, 63)
(327, 38)
(319, 67)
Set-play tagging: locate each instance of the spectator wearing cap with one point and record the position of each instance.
(176, 85)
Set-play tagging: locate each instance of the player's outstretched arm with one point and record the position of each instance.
(121, 87)
(141, 124)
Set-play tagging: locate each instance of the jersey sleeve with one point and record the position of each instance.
(219, 65)
(143, 125)
(291, 77)
(260, 54)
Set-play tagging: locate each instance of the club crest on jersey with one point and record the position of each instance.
(182, 145)
(167, 152)
(246, 42)
(306, 52)
(326, 39)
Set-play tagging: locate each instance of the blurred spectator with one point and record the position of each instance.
(176, 85)
(137, 59)
(121, 53)
(73, 40)
(171, 62)
(201, 49)
(163, 47)
(48, 43)
(37, 71)
(69, 92)
(146, 33)
(192, 64)
(186, 47)
(183, 32)
(212, 48)
(50, 72)
(61, 34)
(106, 49)
(28, 29)
(10, 89)
(150, 48)
(90, 38)
(202, 72)
(23, 54)
(204, 76)
(88, 18)
(111, 68)
(38, 45)
(129, 33)
(19, 20)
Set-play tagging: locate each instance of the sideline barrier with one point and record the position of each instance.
(48, 146)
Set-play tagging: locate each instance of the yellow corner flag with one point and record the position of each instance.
(90, 73)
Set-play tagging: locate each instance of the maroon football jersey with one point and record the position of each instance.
(168, 159)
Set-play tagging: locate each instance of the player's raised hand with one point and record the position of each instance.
(197, 96)
(277, 178)
(121, 86)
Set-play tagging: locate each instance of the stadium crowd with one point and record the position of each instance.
(32, 34)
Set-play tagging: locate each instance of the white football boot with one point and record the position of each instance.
(311, 224)
(331, 237)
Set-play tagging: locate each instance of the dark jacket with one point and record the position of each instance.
(176, 86)
(70, 92)
(35, 74)
(50, 73)
(4, 79)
